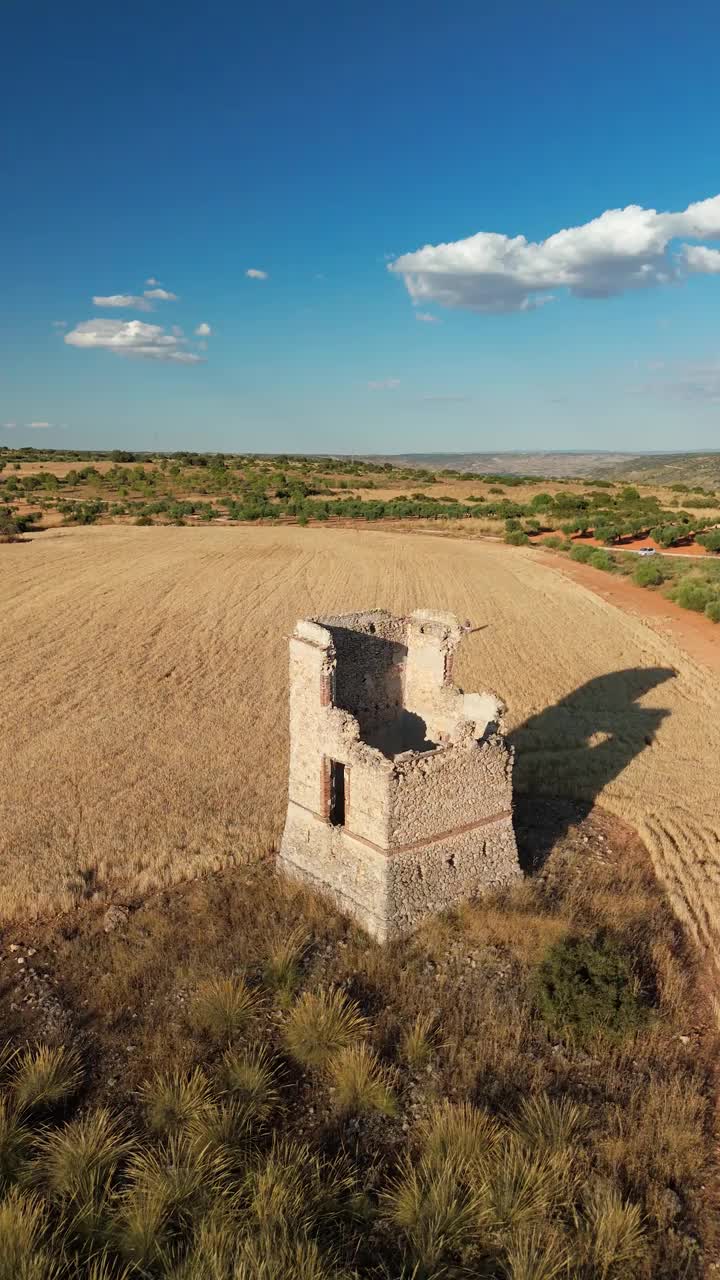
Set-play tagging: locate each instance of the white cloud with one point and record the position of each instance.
(151, 280)
(59, 324)
(623, 249)
(253, 273)
(700, 260)
(384, 384)
(161, 295)
(203, 330)
(131, 338)
(9, 426)
(122, 300)
(426, 317)
(39, 426)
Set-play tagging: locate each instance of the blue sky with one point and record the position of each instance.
(321, 145)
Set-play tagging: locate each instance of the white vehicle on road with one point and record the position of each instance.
(647, 551)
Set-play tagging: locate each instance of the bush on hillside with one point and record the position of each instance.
(690, 594)
(585, 986)
(602, 560)
(517, 538)
(712, 610)
(647, 573)
(710, 540)
(581, 552)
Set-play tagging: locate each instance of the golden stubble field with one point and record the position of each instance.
(144, 683)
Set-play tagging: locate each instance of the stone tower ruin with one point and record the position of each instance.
(400, 787)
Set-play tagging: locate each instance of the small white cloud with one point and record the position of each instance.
(426, 317)
(161, 295)
(203, 330)
(122, 300)
(177, 331)
(384, 384)
(254, 273)
(700, 260)
(619, 251)
(38, 426)
(9, 426)
(131, 338)
(152, 281)
(59, 324)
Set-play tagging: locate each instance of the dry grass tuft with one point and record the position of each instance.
(225, 1007)
(172, 1099)
(251, 1077)
(282, 972)
(24, 1231)
(525, 1189)
(71, 1161)
(653, 1137)
(223, 1128)
(419, 1041)
(458, 1134)
(15, 1141)
(611, 1232)
(43, 1077)
(359, 1082)
(547, 1124)
(436, 1209)
(536, 1255)
(319, 1024)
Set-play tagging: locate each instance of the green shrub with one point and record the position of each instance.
(710, 540)
(517, 538)
(581, 552)
(602, 560)
(586, 985)
(647, 573)
(691, 594)
(712, 610)
(557, 544)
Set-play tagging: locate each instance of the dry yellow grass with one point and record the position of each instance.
(144, 684)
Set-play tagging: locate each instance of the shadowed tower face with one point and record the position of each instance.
(400, 784)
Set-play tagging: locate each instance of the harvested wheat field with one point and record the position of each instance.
(144, 691)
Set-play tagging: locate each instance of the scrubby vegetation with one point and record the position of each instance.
(189, 487)
(511, 1093)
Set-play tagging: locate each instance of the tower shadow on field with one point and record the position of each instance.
(566, 754)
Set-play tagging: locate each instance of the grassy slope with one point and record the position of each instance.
(637, 1111)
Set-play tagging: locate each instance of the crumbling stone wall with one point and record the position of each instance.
(424, 825)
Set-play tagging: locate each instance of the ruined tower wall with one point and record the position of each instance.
(453, 788)
(421, 828)
(369, 666)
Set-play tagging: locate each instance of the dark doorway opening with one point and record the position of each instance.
(337, 794)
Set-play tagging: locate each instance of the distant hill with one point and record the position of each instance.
(515, 463)
(668, 468)
(643, 468)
